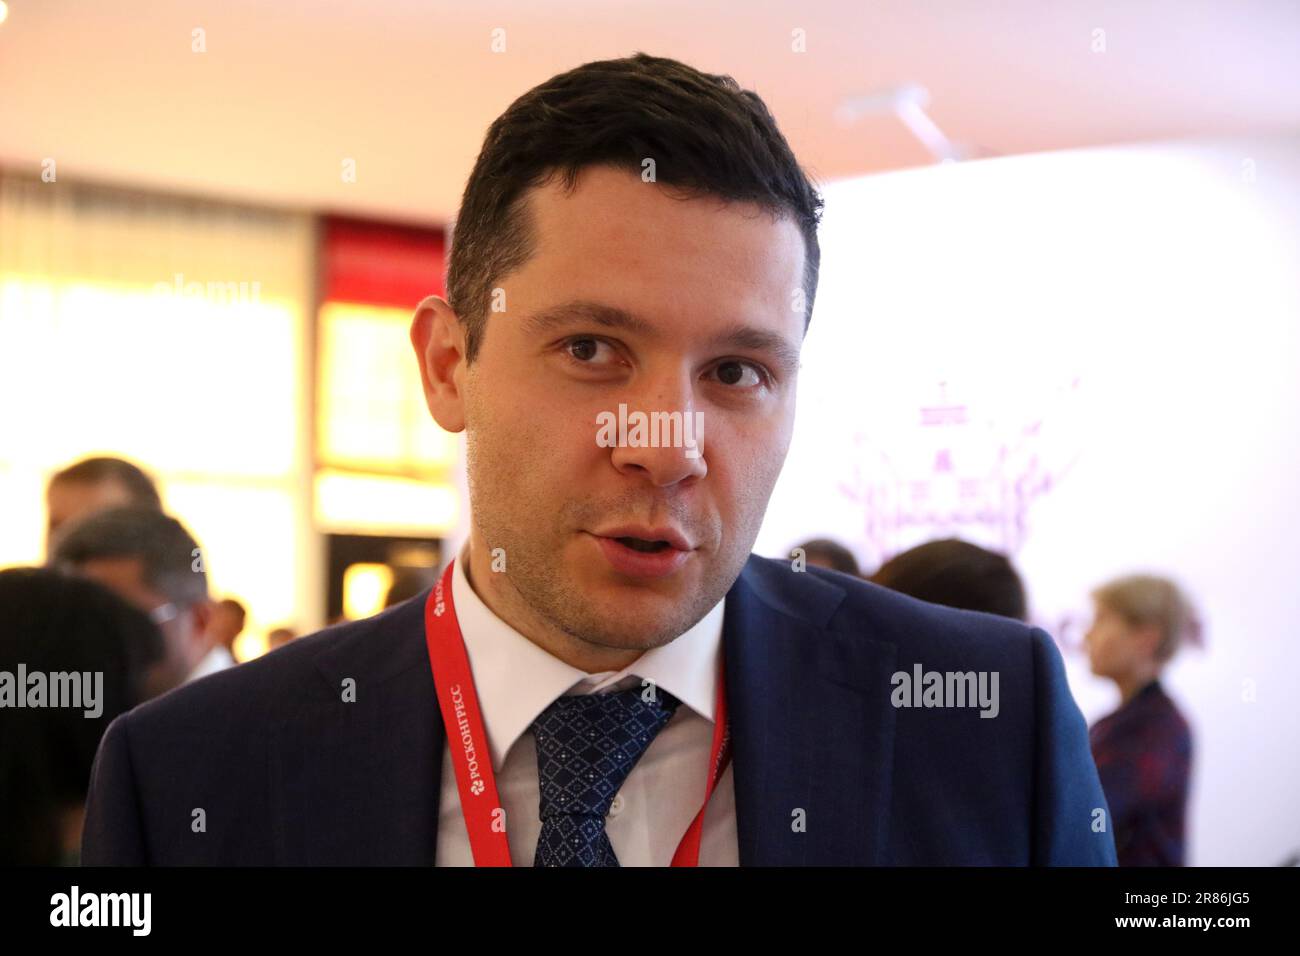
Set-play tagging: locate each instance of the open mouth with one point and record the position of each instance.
(644, 558)
(641, 544)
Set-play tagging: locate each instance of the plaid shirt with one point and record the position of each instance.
(1144, 755)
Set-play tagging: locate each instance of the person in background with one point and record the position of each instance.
(280, 637)
(1143, 750)
(227, 623)
(91, 485)
(825, 553)
(53, 624)
(958, 574)
(149, 559)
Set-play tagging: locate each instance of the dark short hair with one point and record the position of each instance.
(706, 135)
(94, 471)
(833, 553)
(957, 574)
(54, 623)
(166, 550)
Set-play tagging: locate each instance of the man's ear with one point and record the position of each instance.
(201, 621)
(439, 340)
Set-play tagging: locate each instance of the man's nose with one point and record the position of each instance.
(668, 447)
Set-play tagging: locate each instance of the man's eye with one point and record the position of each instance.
(584, 350)
(742, 374)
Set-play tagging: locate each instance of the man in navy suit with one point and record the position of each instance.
(633, 272)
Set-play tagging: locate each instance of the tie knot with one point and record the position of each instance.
(587, 744)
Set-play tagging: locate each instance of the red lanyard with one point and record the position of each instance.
(472, 757)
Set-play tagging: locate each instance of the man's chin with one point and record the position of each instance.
(629, 611)
(630, 615)
(641, 596)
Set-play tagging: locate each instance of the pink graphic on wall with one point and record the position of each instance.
(963, 465)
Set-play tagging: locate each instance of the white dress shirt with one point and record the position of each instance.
(217, 659)
(516, 680)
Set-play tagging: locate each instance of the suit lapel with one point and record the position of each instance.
(812, 725)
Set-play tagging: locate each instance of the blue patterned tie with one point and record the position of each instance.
(587, 744)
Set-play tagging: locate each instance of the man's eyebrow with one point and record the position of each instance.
(584, 310)
(784, 353)
(748, 337)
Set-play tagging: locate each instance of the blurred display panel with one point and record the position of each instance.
(349, 503)
(365, 586)
(371, 411)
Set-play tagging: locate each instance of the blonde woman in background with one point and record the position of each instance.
(1143, 750)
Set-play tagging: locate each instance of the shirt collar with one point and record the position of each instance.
(516, 679)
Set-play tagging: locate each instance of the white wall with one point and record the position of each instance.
(1117, 333)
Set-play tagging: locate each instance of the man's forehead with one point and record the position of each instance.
(620, 241)
(124, 574)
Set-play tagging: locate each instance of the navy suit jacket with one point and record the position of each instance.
(827, 770)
